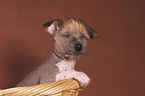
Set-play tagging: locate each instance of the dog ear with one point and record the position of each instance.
(91, 32)
(52, 27)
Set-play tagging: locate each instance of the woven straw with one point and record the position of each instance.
(67, 87)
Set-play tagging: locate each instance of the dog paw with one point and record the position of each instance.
(80, 76)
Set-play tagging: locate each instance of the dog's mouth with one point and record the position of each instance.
(70, 54)
(75, 53)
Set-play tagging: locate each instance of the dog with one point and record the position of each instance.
(70, 35)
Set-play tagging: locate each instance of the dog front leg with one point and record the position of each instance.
(80, 76)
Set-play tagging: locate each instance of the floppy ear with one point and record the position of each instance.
(52, 27)
(91, 32)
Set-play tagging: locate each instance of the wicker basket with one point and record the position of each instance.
(67, 87)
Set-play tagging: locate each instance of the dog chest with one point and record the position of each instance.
(65, 65)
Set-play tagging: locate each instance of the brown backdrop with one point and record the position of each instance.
(115, 61)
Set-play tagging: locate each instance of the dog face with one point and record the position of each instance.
(70, 35)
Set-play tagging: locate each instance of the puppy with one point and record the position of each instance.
(70, 35)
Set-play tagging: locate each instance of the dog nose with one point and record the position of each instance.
(78, 47)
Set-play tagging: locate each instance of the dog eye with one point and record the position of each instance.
(66, 35)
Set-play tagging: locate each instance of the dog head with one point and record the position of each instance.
(70, 35)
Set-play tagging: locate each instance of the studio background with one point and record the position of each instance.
(115, 61)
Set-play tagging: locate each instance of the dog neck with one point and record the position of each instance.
(64, 64)
(62, 57)
(58, 55)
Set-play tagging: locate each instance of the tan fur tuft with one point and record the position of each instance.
(73, 25)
